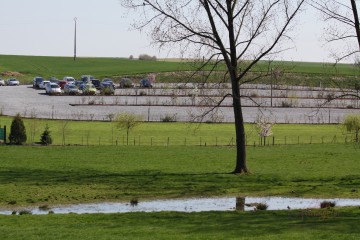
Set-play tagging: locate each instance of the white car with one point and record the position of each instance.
(52, 88)
(13, 82)
(43, 84)
(69, 79)
(2, 82)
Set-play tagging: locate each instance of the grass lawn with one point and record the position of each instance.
(35, 175)
(39, 175)
(175, 134)
(303, 224)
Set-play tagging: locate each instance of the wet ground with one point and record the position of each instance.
(195, 205)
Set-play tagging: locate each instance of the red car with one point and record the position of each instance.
(62, 83)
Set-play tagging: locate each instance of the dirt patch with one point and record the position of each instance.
(11, 74)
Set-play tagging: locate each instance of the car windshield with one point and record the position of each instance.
(71, 86)
(54, 86)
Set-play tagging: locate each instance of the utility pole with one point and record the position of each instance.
(75, 19)
(271, 88)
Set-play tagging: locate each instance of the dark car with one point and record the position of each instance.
(107, 88)
(96, 83)
(81, 85)
(145, 83)
(109, 80)
(37, 81)
(87, 78)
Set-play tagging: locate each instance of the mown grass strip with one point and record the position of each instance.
(302, 224)
(56, 175)
(86, 133)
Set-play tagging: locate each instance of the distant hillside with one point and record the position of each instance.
(166, 69)
(59, 67)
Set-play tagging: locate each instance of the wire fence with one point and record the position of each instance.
(202, 141)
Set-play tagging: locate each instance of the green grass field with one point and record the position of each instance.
(176, 134)
(54, 175)
(35, 176)
(38, 176)
(59, 67)
(316, 224)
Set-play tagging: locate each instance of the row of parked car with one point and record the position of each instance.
(88, 85)
(9, 82)
(69, 85)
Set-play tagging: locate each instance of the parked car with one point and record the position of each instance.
(52, 88)
(43, 84)
(107, 88)
(71, 89)
(62, 83)
(145, 83)
(109, 80)
(88, 89)
(78, 83)
(69, 79)
(13, 82)
(96, 83)
(126, 83)
(37, 81)
(2, 82)
(87, 78)
(53, 80)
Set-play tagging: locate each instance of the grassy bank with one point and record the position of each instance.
(305, 224)
(175, 134)
(57, 175)
(31, 66)
(297, 73)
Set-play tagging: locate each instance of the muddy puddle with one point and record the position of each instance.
(194, 205)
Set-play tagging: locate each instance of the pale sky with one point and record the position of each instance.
(46, 28)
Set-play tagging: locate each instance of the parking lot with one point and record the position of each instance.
(31, 102)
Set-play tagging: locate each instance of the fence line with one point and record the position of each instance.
(216, 141)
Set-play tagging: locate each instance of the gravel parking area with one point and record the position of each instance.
(31, 102)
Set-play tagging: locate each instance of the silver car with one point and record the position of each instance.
(71, 89)
(52, 88)
(43, 84)
(13, 82)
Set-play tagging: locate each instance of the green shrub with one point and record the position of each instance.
(46, 137)
(169, 118)
(327, 204)
(18, 131)
(25, 212)
(147, 57)
(261, 206)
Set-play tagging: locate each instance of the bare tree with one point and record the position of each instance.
(352, 125)
(127, 122)
(63, 130)
(234, 33)
(343, 25)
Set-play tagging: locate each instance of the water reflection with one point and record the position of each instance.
(196, 205)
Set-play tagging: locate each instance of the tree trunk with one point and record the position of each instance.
(239, 131)
(356, 21)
